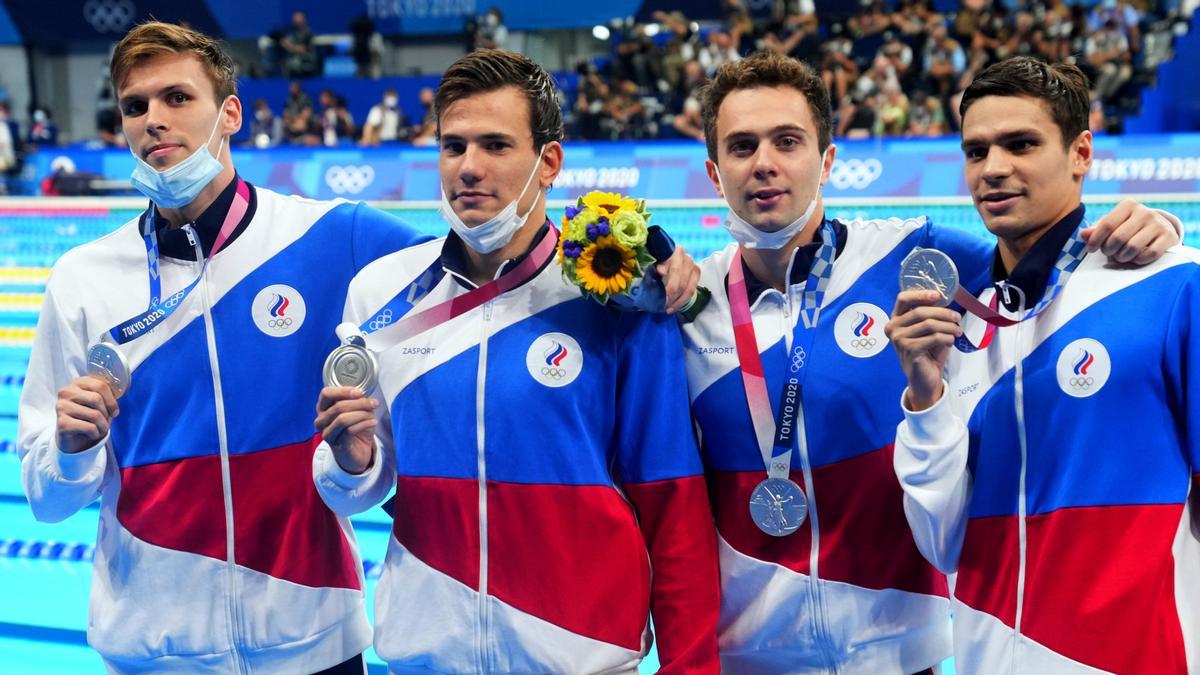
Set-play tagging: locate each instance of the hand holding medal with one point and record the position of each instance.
(346, 419)
(932, 270)
(85, 410)
(922, 328)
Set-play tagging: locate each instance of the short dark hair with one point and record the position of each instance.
(487, 70)
(1062, 86)
(766, 69)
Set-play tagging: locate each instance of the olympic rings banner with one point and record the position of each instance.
(1159, 164)
(76, 20)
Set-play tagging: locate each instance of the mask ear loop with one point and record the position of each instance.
(536, 165)
(213, 133)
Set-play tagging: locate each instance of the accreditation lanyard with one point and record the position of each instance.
(158, 311)
(777, 436)
(1072, 253)
(392, 325)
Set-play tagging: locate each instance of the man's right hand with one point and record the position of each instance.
(85, 409)
(922, 334)
(346, 419)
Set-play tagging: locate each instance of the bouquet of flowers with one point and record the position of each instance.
(602, 249)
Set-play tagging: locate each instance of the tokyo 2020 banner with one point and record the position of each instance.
(1161, 164)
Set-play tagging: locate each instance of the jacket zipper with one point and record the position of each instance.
(1019, 403)
(481, 468)
(231, 608)
(816, 598)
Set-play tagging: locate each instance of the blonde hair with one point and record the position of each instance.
(155, 38)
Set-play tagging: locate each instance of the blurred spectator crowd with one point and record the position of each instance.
(330, 122)
(894, 68)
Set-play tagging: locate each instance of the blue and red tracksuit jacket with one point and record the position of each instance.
(214, 553)
(549, 496)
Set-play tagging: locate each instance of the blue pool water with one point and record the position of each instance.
(45, 570)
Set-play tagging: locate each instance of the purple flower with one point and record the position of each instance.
(572, 249)
(598, 229)
(572, 212)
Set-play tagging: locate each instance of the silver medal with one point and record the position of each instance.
(928, 269)
(107, 362)
(351, 365)
(778, 507)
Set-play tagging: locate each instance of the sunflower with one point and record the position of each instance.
(606, 267)
(608, 203)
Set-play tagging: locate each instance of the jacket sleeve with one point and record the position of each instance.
(345, 493)
(57, 484)
(1183, 354)
(931, 463)
(663, 477)
(376, 233)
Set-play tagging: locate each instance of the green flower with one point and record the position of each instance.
(576, 228)
(629, 228)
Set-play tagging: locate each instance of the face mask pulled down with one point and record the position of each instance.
(751, 237)
(499, 229)
(179, 185)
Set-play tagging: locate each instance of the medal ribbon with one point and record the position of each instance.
(777, 436)
(387, 333)
(157, 311)
(404, 301)
(1072, 253)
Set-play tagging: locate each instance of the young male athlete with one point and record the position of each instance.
(1056, 468)
(549, 493)
(794, 393)
(205, 317)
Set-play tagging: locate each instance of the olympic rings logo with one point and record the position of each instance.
(384, 319)
(780, 466)
(173, 300)
(864, 343)
(349, 179)
(109, 16)
(556, 373)
(798, 358)
(1081, 383)
(279, 323)
(855, 173)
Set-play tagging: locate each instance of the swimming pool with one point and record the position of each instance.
(45, 569)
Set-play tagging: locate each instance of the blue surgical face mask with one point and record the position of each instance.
(752, 237)
(497, 230)
(179, 185)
